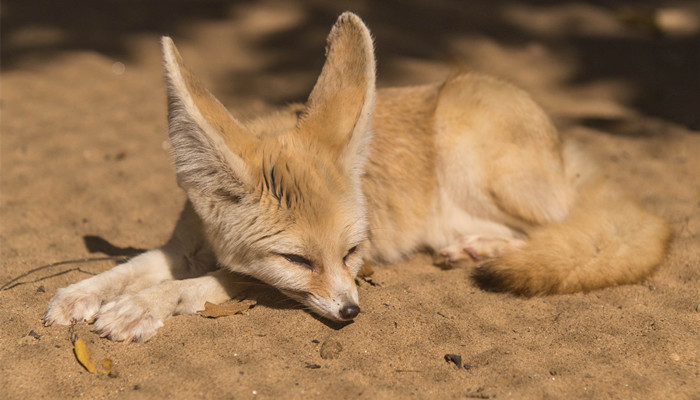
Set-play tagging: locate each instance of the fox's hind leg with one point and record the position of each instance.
(500, 160)
(184, 256)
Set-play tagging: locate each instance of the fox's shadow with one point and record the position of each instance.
(96, 244)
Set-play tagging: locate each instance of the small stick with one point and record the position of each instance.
(9, 285)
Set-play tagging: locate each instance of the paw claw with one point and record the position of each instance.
(472, 253)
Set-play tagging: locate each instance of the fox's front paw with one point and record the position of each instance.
(70, 305)
(128, 317)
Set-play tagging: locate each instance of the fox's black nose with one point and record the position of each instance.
(349, 311)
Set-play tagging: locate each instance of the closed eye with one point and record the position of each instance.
(299, 260)
(350, 252)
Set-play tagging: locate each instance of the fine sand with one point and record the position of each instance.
(86, 173)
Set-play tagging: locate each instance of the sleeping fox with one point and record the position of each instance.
(469, 168)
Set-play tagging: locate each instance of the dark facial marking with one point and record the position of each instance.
(227, 195)
(269, 235)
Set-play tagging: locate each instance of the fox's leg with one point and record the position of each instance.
(457, 236)
(137, 316)
(186, 255)
(81, 301)
(477, 248)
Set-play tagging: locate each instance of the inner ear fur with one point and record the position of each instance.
(339, 109)
(209, 143)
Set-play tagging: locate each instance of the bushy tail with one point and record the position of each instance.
(607, 239)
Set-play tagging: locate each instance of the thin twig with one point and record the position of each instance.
(11, 283)
(49, 277)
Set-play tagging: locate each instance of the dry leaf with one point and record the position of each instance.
(105, 366)
(82, 353)
(366, 270)
(212, 310)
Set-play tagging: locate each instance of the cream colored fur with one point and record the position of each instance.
(470, 168)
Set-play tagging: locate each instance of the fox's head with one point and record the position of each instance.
(282, 201)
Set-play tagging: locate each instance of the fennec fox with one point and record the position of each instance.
(467, 168)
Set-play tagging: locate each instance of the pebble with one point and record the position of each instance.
(456, 359)
(330, 349)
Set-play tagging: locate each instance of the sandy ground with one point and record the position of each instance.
(86, 173)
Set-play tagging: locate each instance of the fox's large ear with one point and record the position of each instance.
(339, 109)
(209, 144)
